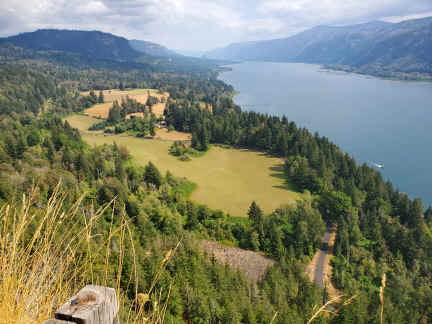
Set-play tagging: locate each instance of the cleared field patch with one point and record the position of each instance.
(228, 179)
(163, 134)
(99, 110)
(158, 109)
(140, 95)
(83, 123)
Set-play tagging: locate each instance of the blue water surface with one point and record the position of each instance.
(374, 120)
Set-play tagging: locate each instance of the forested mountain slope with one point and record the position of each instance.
(151, 48)
(402, 47)
(93, 44)
(95, 49)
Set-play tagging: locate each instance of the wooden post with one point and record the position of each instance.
(92, 305)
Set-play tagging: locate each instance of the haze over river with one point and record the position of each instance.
(374, 120)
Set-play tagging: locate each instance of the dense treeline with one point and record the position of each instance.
(40, 152)
(201, 290)
(380, 230)
(27, 90)
(87, 72)
(376, 223)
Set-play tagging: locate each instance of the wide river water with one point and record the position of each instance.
(374, 120)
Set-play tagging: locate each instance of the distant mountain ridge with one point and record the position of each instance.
(94, 44)
(404, 47)
(150, 48)
(98, 49)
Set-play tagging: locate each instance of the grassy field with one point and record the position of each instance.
(82, 122)
(228, 179)
(140, 95)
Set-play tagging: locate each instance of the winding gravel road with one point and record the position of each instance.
(323, 258)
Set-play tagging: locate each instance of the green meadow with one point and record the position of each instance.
(227, 179)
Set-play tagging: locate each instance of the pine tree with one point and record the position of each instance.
(119, 169)
(255, 214)
(67, 158)
(205, 140)
(152, 128)
(114, 114)
(152, 175)
(33, 138)
(195, 141)
(101, 98)
(50, 149)
(93, 96)
(191, 216)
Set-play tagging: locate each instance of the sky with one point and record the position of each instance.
(200, 25)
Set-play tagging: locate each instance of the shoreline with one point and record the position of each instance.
(398, 76)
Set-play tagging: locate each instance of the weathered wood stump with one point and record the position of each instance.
(92, 305)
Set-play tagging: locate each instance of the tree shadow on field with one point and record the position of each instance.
(277, 171)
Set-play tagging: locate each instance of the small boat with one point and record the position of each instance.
(379, 166)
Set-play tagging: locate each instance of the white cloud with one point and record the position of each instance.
(92, 8)
(396, 19)
(199, 24)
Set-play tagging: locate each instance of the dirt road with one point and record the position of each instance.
(319, 270)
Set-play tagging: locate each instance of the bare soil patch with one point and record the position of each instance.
(253, 265)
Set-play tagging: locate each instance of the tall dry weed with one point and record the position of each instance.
(47, 255)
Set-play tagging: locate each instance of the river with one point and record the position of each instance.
(374, 120)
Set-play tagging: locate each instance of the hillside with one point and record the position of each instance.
(150, 48)
(96, 49)
(399, 47)
(94, 44)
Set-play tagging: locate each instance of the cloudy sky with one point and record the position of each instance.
(200, 24)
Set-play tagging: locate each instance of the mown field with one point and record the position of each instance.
(228, 179)
(140, 95)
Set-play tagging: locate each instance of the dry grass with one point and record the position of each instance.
(140, 95)
(331, 307)
(163, 134)
(83, 123)
(42, 263)
(39, 272)
(228, 179)
(158, 109)
(253, 265)
(381, 295)
(99, 110)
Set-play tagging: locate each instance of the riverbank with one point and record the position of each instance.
(381, 74)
